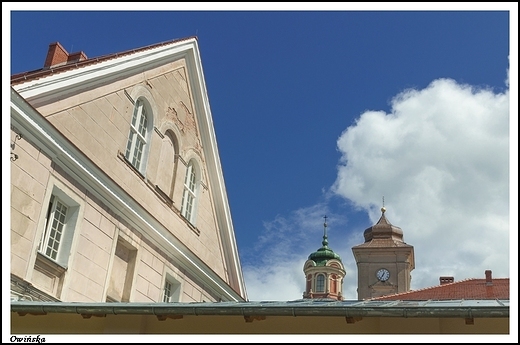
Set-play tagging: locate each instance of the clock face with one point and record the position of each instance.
(383, 274)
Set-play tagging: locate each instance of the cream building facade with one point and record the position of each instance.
(117, 192)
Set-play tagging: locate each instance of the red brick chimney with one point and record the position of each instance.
(489, 280)
(446, 280)
(57, 55)
(77, 56)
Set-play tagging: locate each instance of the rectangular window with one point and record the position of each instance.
(60, 221)
(58, 232)
(167, 295)
(55, 226)
(171, 290)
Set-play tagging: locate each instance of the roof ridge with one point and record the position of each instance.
(429, 288)
(41, 72)
(425, 288)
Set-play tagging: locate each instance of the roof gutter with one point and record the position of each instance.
(358, 309)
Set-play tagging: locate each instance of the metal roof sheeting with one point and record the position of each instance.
(303, 307)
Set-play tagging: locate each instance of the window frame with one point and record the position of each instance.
(190, 191)
(320, 283)
(139, 133)
(70, 226)
(55, 228)
(171, 290)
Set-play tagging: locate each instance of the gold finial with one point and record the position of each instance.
(383, 209)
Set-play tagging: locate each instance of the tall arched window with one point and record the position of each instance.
(320, 283)
(138, 136)
(190, 192)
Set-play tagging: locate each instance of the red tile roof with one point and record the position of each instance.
(465, 289)
(42, 72)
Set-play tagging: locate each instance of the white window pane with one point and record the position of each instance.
(137, 136)
(320, 283)
(188, 197)
(168, 289)
(57, 226)
(129, 144)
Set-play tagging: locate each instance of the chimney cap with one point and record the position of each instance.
(446, 279)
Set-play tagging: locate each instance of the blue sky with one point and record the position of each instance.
(326, 112)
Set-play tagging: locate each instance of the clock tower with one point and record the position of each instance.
(384, 261)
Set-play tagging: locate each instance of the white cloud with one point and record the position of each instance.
(441, 160)
(282, 282)
(276, 273)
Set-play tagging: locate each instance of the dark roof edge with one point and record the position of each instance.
(306, 308)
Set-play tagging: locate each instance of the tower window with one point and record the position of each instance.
(320, 283)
